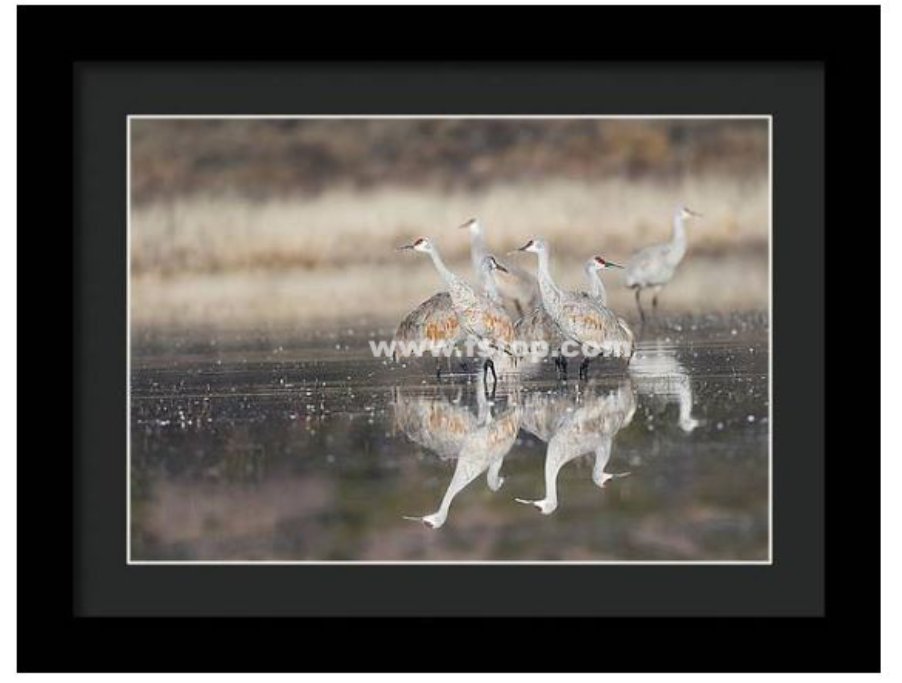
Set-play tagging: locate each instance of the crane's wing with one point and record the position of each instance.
(433, 320)
(649, 266)
(538, 326)
(588, 322)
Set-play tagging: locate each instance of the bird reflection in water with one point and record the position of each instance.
(478, 442)
(573, 419)
(661, 379)
(576, 423)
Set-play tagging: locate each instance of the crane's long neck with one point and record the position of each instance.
(551, 293)
(596, 286)
(678, 240)
(487, 278)
(478, 249)
(440, 266)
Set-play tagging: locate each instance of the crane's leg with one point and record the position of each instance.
(639, 304)
(560, 362)
(654, 301)
(489, 365)
(438, 371)
(584, 368)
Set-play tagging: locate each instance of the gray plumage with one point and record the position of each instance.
(477, 314)
(654, 266)
(580, 318)
(516, 289)
(435, 320)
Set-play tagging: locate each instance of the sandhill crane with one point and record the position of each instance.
(597, 291)
(435, 322)
(580, 318)
(538, 325)
(577, 427)
(517, 290)
(477, 314)
(481, 449)
(659, 375)
(654, 266)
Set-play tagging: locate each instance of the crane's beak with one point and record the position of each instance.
(694, 214)
(608, 264)
(498, 266)
(467, 224)
(523, 248)
(404, 247)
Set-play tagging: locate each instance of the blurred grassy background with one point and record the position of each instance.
(284, 222)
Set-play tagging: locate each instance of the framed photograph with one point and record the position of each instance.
(393, 338)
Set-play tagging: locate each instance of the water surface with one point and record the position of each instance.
(304, 447)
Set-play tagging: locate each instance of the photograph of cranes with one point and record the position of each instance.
(469, 339)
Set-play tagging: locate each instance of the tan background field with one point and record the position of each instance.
(287, 223)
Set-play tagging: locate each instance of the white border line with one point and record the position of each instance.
(128, 338)
(770, 375)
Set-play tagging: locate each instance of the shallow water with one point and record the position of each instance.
(305, 447)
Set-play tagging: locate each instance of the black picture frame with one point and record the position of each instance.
(58, 46)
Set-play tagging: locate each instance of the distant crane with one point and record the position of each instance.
(578, 317)
(654, 266)
(477, 314)
(518, 290)
(434, 321)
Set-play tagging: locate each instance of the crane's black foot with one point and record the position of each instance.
(438, 373)
(584, 368)
(489, 365)
(560, 362)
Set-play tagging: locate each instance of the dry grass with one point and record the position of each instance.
(299, 298)
(346, 227)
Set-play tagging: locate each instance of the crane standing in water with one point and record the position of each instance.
(519, 288)
(539, 326)
(435, 322)
(654, 266)
(597, 292)
(580, 318)
(477, 314)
